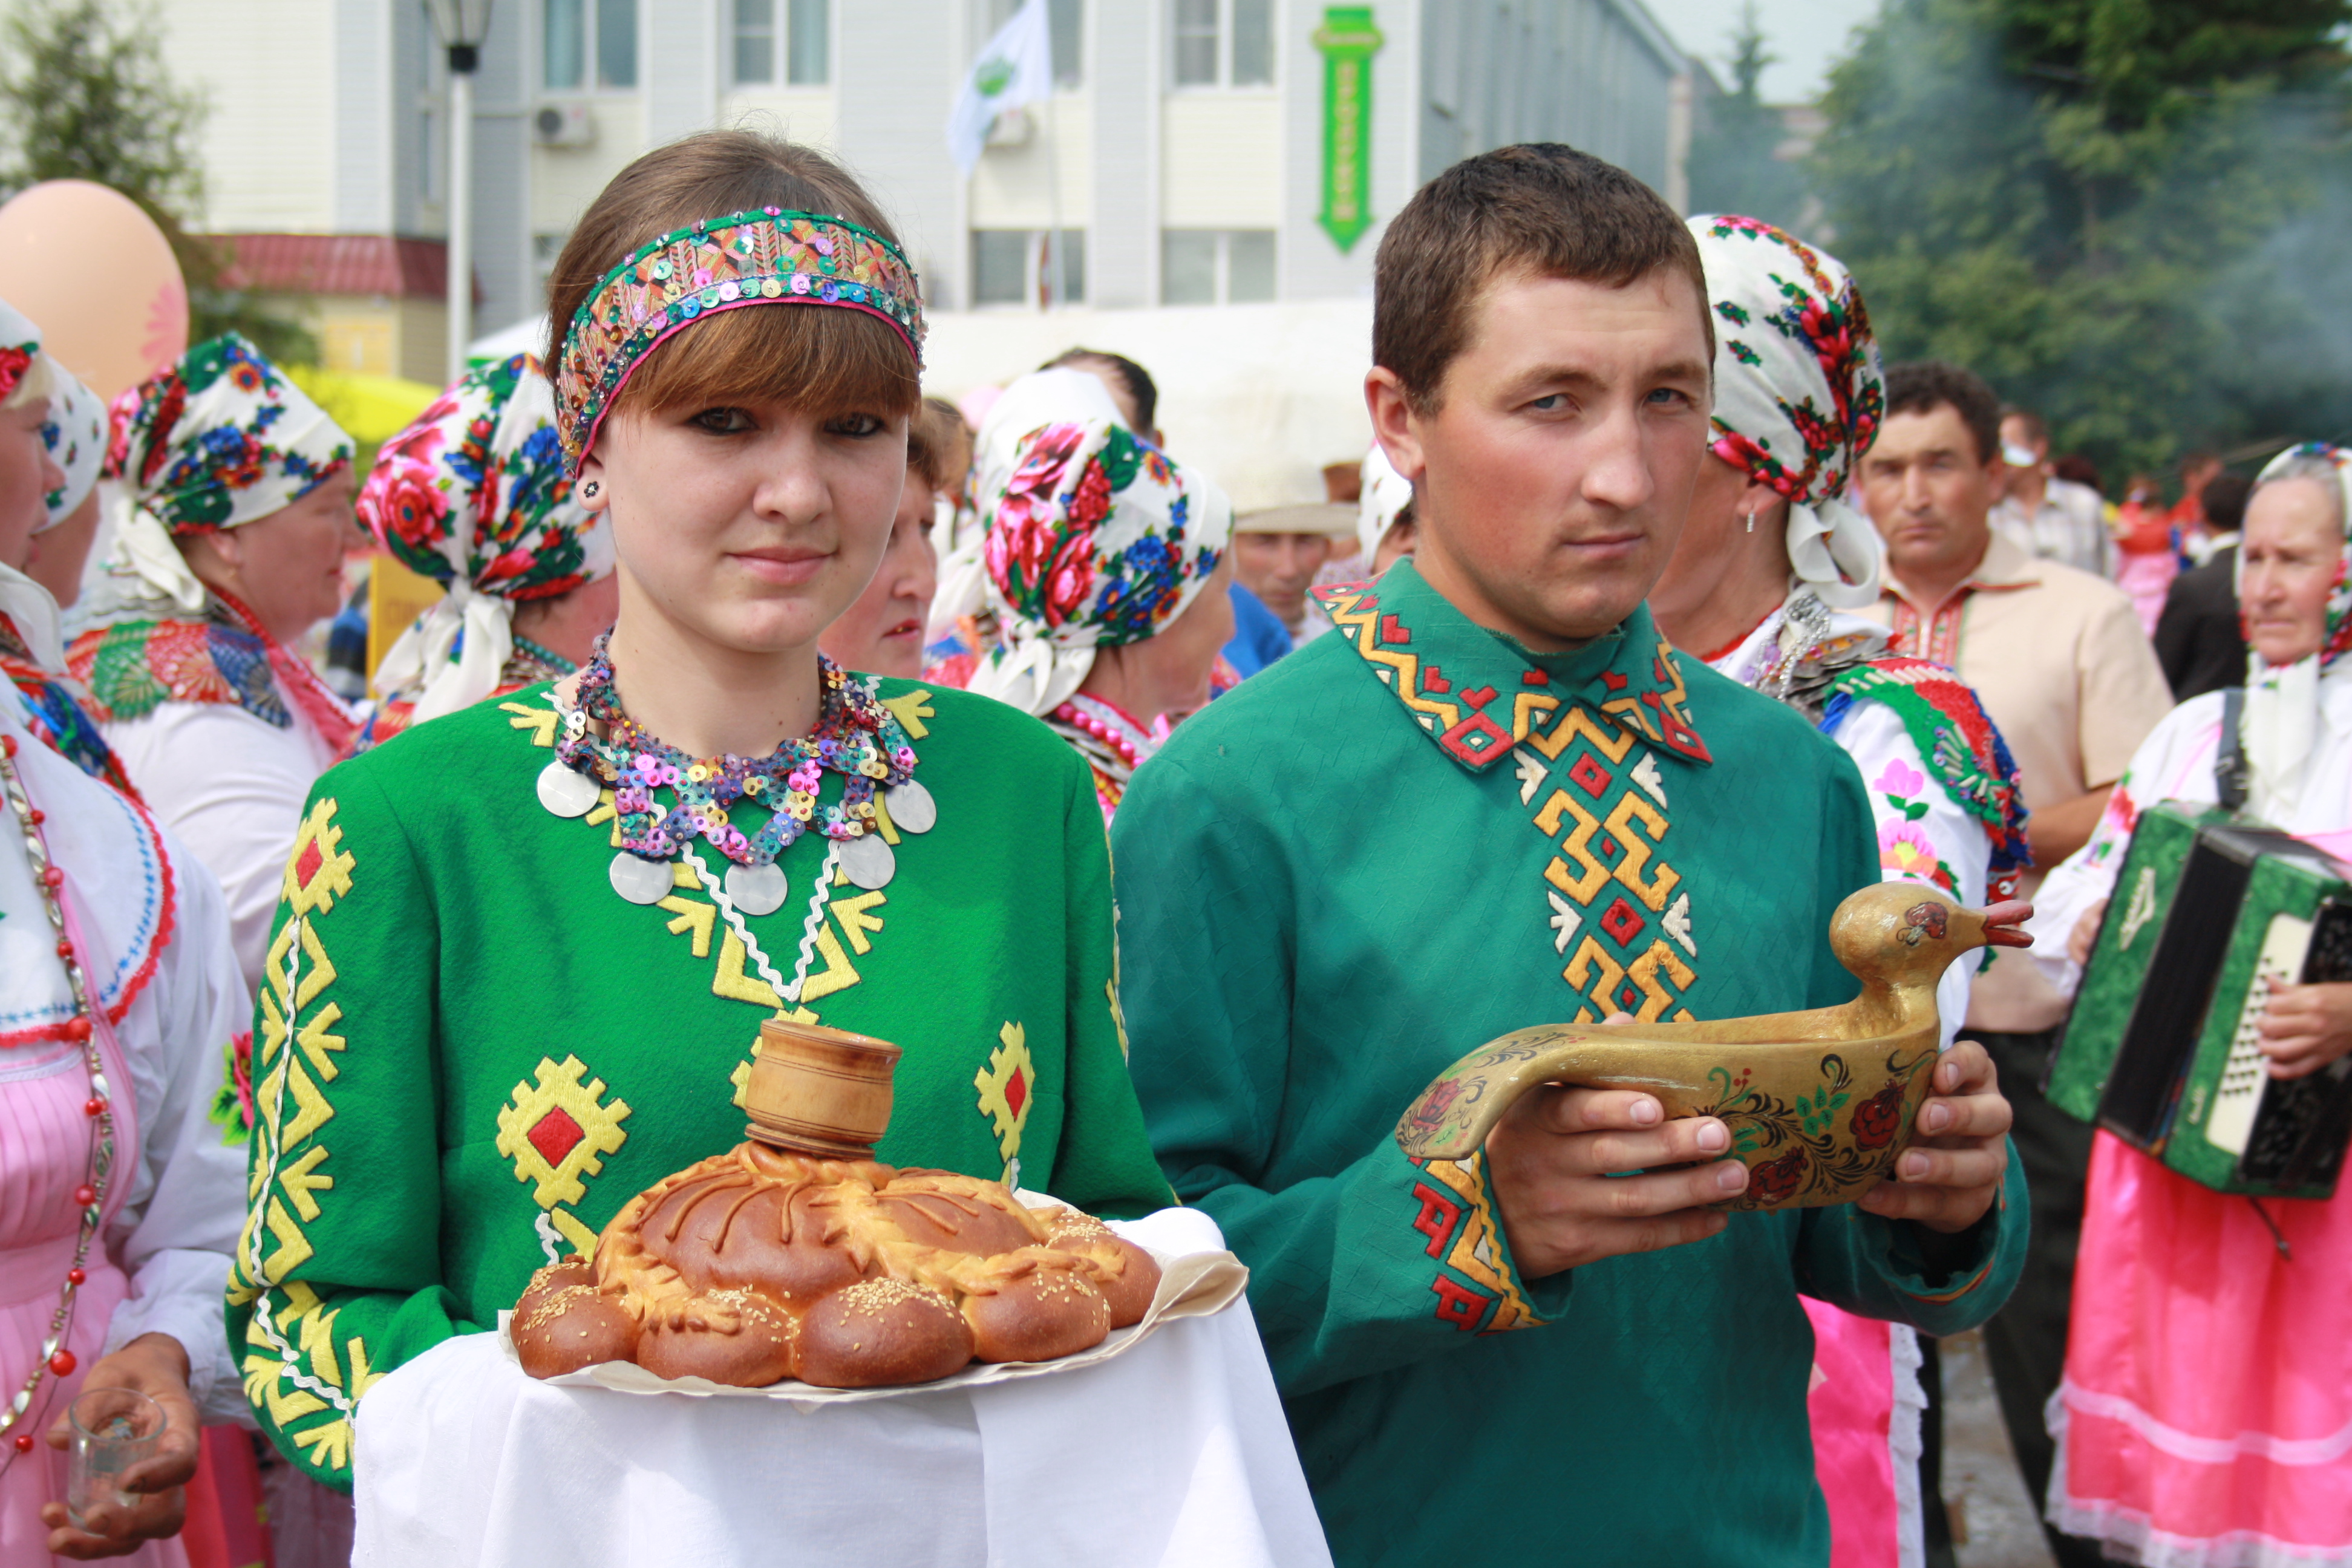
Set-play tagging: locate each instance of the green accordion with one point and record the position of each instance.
(2163, 1049)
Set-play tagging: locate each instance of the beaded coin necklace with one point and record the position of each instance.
(854, 737)
(90, 1196)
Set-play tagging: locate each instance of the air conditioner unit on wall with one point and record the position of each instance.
(564, 125)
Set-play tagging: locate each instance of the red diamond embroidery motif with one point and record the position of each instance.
(1534, 678)
(554, 1135)
(1433, 679)
(1016, 1092)
(1394, 630)
(1621, 923)
(307, 866)
(1590, 775)
(1628, 998)
(1613, 681)
(1479, 696)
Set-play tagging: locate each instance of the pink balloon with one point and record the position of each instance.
(98, 277)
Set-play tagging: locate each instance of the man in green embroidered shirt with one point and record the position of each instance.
(1499, 799)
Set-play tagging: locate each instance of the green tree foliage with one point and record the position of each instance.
(85, 95)
(1733, 168)
(2125, 214)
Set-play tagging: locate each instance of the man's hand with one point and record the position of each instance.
(1948, 1176)
(1548, 1162)
(2305, 1027)
(156, 1366)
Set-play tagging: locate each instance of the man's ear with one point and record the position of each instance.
(1394, 424)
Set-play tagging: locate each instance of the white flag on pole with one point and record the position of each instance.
(1015, 67)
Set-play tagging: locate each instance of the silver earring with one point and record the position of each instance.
(1752, 520)
(595, 487)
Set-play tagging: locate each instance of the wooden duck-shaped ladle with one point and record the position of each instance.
(1820, 1104)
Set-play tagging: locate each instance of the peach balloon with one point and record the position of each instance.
(98, 277)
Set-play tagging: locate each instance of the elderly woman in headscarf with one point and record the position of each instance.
(118, 1000)
(2208, 1370)
(1104, 573)
(474, 496)
(240, 505)
(1770, 561)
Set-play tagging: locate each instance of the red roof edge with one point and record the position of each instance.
(391, 264)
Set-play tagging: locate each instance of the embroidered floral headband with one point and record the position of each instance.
(766, 257)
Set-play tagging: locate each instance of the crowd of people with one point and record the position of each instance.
(762, 684)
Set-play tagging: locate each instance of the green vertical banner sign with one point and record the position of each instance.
(1348, 41)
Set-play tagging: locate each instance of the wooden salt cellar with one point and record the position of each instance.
(821, 1091)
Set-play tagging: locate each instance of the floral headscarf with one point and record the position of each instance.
(474, 496)
(2282, 712)
(20, 343)
(76, 433)
(1798, 393)
(218, 440)
(1096, 541)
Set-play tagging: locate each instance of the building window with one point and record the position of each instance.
(1064, 20)
(755, 42)
(1223, 43)
(574, 32)
(1016, 266)
(806, 39)
(809, 61)
(1216, 266)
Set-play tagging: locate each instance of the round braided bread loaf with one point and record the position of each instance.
(758, 1265)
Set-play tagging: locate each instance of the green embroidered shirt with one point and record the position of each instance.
(1406, 838)
(470, 1051)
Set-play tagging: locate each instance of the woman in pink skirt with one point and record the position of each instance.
(119, 1196)
(2206, 1417)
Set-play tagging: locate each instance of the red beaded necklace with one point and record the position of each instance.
(90, 1196)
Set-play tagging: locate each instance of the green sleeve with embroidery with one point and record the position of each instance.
(1386, 1261)
(328, 1292)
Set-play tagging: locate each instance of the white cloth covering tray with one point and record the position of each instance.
(1171, 1453)
(1191, 1285)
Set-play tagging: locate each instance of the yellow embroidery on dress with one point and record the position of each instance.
(851, 915)
(838, 973)
(1008, 1088)
(1592, 959)
(1477, 1252)
(1579, 844)
(734, 984)
(559, 1130)
(318, 869)
(910, 709)
(540, 722)
(1402, 671)
(693, 917)
(1644, 972)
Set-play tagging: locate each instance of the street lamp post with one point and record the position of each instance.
(460, 25)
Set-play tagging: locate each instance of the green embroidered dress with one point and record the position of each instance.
(470, 1051)
(1409, 838)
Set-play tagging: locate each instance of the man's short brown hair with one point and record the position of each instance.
(1539, 209)
(1925, 385)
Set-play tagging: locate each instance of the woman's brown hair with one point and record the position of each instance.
(813, 357)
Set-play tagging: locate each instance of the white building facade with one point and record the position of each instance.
(1195, 151)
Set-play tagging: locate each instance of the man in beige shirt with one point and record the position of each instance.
(2059, 660)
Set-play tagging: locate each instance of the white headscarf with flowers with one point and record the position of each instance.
(76, 437)
(25, 603)
(1095, 540)
(2282, 715)
(1799, 394)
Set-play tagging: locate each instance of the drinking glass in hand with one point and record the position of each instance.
(114, 1429)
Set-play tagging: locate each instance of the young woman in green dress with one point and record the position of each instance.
(524, 952)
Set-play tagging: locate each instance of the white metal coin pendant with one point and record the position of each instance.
(912, 806)
(640, 881)
(756, 890)
(565, 792)
(867, 861)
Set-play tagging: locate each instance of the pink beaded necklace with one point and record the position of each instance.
(90, 1196)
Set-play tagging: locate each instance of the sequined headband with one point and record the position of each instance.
(769, 256)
